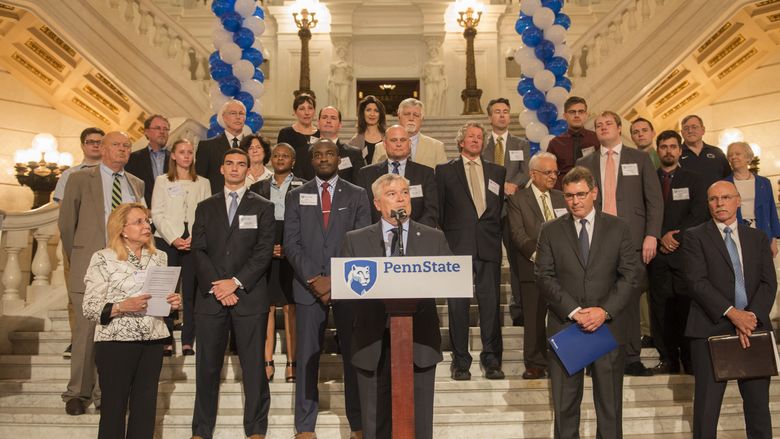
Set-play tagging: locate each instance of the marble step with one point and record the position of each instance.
(510, 421)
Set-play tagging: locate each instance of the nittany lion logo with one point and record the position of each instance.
(360, 276)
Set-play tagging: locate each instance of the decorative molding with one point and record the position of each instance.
(86, 107)
(102, 99)
(681, 104)
(766, 3)
(726, 26)
(742, 59)
(7, 7)
(108, 83)
(57, 40)
(733, 45)
(667, 97)
(774, 18)
(45, 55)
(664, 81)
(31, 68)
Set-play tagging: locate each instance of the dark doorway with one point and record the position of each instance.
(390, 91)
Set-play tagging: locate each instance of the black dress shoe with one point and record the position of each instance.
(74, 407)
(494, 373)
(638, 369)
(168, 353)
(460, 374)
(187, 351)
(665, 368)
(647, 342)
(533, 373)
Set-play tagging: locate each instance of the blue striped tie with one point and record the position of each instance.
(740, 296)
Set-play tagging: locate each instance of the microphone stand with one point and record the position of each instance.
(400, 215)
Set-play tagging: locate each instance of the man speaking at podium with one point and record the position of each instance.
(371, 334)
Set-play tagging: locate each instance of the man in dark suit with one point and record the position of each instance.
(628, 188)
(422, 183)
(350, 158)
(732, 285)
(208, 157)
(586, 269)
(371, 338)
(232, 241)
(527, 210)
(685, 206)
(512, 153)
(150, 162)
(317, 216)
(471, 197)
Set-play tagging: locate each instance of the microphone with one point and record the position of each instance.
(399, 214)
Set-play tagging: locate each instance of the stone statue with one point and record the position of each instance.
(340, 79)
(435, 81)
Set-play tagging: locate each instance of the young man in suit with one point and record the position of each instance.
(527, 210)
(732, 284)
(317, 216)
(471, 197)
(422, 183)
(586, 269)
(232, 241)
(425, 150)
(150, 162)
(90, 196)
(628, 188)
(350, 158)
(370, 338)
(685, 206)
(208, 157)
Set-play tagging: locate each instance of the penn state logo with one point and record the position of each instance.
(360, 276)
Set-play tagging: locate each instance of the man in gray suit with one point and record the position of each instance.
(90, 196)
(586, 269)
(527, 210)
(317, 215)
(512, 153)
(371, 338)
(628, 188)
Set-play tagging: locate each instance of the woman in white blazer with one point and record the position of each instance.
(175, 196)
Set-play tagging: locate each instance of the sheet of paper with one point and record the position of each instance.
(159, 283)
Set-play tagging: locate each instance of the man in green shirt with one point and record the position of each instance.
(643, 134)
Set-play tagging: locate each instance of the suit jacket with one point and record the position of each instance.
(764, 205)
(263, 187)
(305, 170)
(710, 278)
(608, 279)
(425, 208)
(307, 246)
(430, 152)
(516, 170)
(370, 316)
(208, 160)
(82, 220)
(525, 220)
(223, 251)
(638, 197)
(140, 165)
(683, 213)
(466, 233)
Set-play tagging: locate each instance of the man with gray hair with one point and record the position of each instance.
(425, 150)
(208, 158)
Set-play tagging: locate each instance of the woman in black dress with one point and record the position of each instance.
(299, 134)
(370, 127)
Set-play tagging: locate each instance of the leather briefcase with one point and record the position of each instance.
(731, 362)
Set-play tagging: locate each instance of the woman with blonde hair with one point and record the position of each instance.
(128, 343)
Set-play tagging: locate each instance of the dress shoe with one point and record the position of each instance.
(356, 435)
(460, 374)
(74, 407)
(257, 436)
(305, 435)
(533, 373)
(168, 353)
(187, 351)
(494, 373)
(647, 342)
(638, 369)
(665, 368)
(67, 352)
(197, 437)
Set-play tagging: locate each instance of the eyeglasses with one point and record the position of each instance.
(553, 173)
(235, 113)
(724, 198)
(93, 142)
(576, 112)
(140, 222)
(578, 195)
(691, 128)
(164, 129)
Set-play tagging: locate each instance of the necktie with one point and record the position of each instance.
(325, 204)
(576, 145)
(235, 142)
(116, 192)
(396, 165)
(476, 193)
(666, 184)
(233, 207)
(610, 185)
(547, 214)
(499, 152)
(395, 249)
(740, 296)
(584, 242)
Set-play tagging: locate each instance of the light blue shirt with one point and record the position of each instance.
(107, 176)
(158, 161)
(332, 182)
(401, 168)
(277, 196)
(387, 234)
(59, 190)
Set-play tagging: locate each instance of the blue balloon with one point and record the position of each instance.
(232, 21)
(525, 85)
(244, 38)
(547, 113)
(220, 7)
(558, 65)
(533, 99)
(214, 57)
(253, 55)
(229, 86)
(563, 20)
(523, 23)
(532, 36)
(563, 82)
(545, 50)
(220, 70)
(559, 127)
(259, 75)
(254, 121)
(213, 124)
(213, 132)
(259, 13)
(555, 5)
(246, 99)
(535, 147)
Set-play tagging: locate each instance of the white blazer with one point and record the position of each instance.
(174, 202)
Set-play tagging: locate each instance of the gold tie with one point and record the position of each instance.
(499, 152)
(547, 214)
(476, 193)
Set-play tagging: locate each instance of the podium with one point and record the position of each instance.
(401, 282)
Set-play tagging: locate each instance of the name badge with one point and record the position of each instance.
(587, 151)
(247, 222)
(345, 163)
(308, 200)
(415, 191)
(175, 191)
(516, 155)
(630, 169)
(493, 186)
(139, 277)
(295, 183)
(313, 139)
(560, 212)
(681, 193)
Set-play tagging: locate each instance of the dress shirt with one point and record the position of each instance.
(158, 161)
(250, 180)
(387, 234)
(414, 140)
(332, 182)
(59, 190)
(401, 167)
(504, 138)
(735, 237)
(230, 138)
(174, 202)
(589, 227)
(278, 194)
(563, 148)
(480, 172)
(603, 163)
(107, 176)
(537, 195)
(240, 191)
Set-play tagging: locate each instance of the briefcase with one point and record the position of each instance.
(731, 362)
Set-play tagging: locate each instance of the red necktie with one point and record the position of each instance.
(325, 204)
(666, 184)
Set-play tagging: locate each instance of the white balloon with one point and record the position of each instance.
(545, 142)
(544, 18)
(557, 96)
(243, 70)
(258, 107)
(544, 80)
(563, 51)
(245, 7)
(523, 54)
(255, 24)
(217, 101)
(531, 67)
(529, 7)
(221, 36)
(555, 33)
(527, 116)
(253, 87)
(230, 53)
(535, 131)
(214, 88)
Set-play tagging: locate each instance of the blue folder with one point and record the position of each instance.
(577, 348)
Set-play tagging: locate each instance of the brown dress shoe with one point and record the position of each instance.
(356, 435)
(533, 373)
(197, 437)
(74, 407)
(257, 436)
(305, 435)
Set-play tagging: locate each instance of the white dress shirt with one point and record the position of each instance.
(241, 191)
